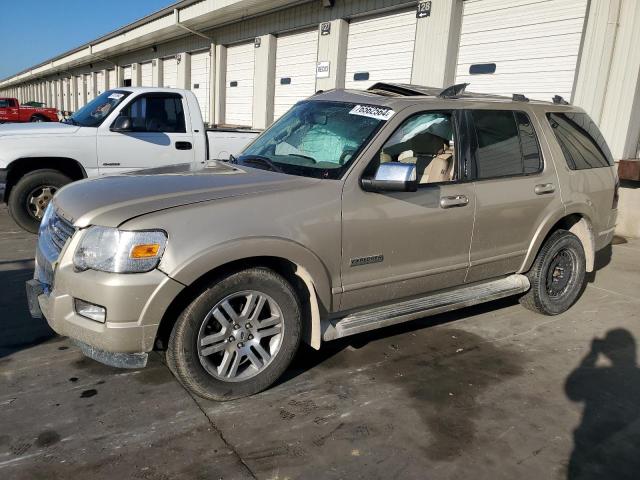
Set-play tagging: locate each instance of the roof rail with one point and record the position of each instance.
(558, 100)
(454, 91)
(518, 97)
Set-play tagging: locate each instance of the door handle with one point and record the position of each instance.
(183, 145)
(544, 188)
(454, 201)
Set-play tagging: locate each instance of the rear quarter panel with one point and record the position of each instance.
(587, 192)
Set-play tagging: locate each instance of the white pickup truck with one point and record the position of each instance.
(121, 130)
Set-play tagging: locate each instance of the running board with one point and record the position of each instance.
(425, 306)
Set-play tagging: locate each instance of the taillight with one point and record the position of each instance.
(616, 194)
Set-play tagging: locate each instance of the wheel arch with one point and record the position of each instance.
(22, 166)
(579, 223)
(311, 286)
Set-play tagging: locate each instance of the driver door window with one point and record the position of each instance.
(156, 114)
(425, 140)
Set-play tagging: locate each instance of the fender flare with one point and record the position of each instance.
(582, 228)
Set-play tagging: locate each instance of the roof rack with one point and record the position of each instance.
(518, 97)
(558, 100)
(454, 91)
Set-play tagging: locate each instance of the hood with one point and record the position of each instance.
(37, 129)
(110, 201)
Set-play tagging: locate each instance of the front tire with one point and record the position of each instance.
(31, 195)
(557, 275)
(237, 337)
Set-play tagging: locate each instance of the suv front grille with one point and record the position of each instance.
(51, 240)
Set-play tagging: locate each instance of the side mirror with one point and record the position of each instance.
(121, 124)
(392, 177)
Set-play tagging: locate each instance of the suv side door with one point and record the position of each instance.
(161, 135)
(403, 244)
(516, 188)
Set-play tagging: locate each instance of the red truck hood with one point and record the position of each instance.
(36, 129)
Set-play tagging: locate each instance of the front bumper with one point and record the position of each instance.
(135, 304)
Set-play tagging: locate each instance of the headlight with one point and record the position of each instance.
(119, 251)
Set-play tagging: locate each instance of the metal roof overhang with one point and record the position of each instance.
(164, 25)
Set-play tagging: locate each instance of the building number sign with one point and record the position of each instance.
(424, 9)
(325, 28)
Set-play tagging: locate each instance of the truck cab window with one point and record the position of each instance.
(156, 113)
(425, 140)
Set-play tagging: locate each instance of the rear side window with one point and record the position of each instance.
(581, 142)
(507, 144)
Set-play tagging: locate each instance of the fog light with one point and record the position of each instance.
(90, 311)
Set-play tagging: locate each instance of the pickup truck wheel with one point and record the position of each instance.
(38, 118)
(557, 276)
(237, 337)
(31, 195)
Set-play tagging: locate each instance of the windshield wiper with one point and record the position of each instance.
(302, 156)
(259, 160)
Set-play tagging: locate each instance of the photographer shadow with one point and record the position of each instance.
(607, 441)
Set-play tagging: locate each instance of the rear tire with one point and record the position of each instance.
(206, 334)
(38, 119)
(30, 196)
(557, 275)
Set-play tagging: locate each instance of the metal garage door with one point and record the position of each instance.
(296, 57)
(170, 72)
(100, 83)
(380, 49)
(200, 69)
(146, 75)
(80, 97)
(126, 76)
(239, 91)
(112, 82)
(532, 45)
(90, 93)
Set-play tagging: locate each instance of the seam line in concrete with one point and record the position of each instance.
(214, 426)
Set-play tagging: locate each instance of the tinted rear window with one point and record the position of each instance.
(581, 142)
(507, 144)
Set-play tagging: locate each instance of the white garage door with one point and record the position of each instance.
(90, 92)
(200, 69)
(170, 72)
(100, 83)
(79, 89)
(239, 91)
(111, 79)
(380, 49)
(296, 57)
(126, 76)
(530, 46)
(146, 75)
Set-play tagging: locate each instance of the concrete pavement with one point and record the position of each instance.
(490, 392)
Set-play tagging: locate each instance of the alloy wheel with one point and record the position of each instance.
(240, 336)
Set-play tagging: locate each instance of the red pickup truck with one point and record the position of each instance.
(12, 111)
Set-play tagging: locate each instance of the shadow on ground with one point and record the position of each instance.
(607, 441)
(18, 329)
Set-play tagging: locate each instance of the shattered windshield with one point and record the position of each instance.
(316, 138)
